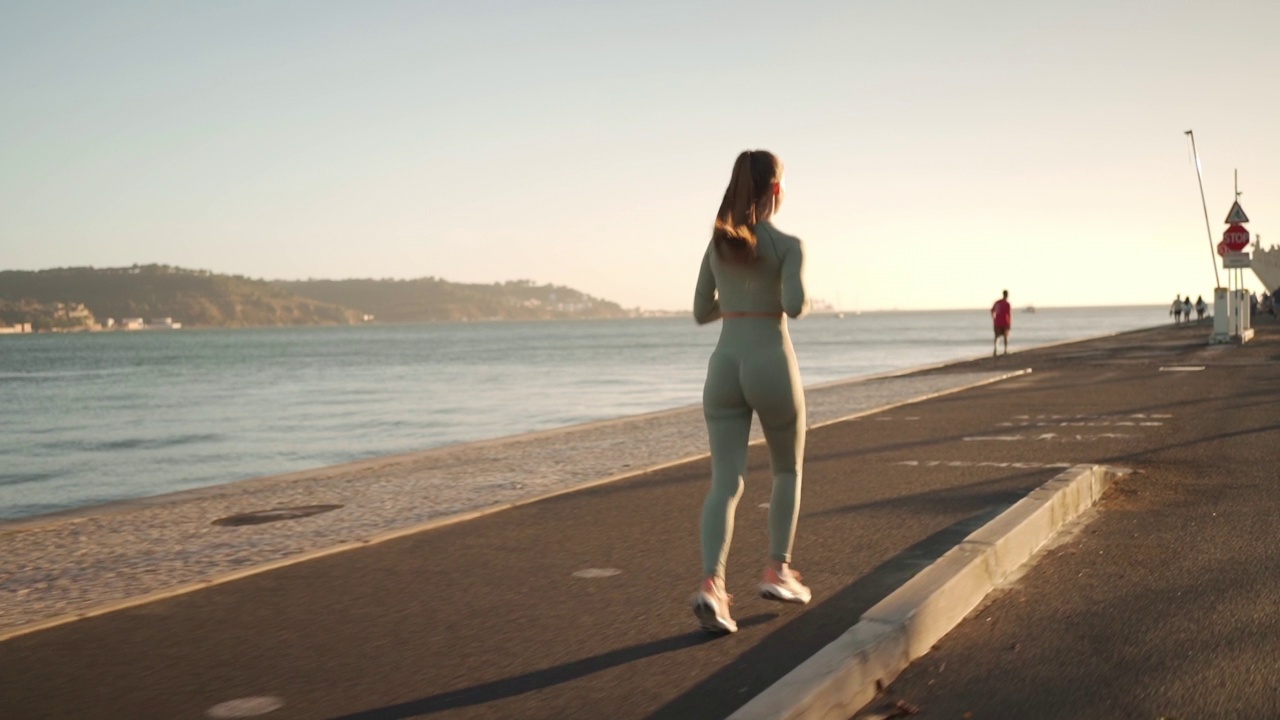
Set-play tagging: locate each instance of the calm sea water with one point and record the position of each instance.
(90, 418)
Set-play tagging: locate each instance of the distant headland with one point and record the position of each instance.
(162, 296)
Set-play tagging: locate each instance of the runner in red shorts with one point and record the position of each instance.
(1002, 317)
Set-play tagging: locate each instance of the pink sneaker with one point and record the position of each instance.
(711, 606)
(784, 586)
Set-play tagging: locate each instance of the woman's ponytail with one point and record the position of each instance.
(754, 173)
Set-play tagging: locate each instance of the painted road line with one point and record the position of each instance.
(1091, 417)
(593, 573)
(1052, 437)
(245, 707)
(1086, 424)
(1132, 420)
(984, 463)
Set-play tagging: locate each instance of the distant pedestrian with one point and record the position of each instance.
(1176, 309)
(1201, 307)
(751, 275)
(1002, 320)
(1186, 309)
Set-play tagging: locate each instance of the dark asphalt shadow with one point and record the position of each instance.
(1140, 455)
(887, 447)
(539, 679)
(796, 641)
(966, 498)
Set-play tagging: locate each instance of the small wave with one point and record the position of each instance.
(75, 373)
(17, 512)
(158, 443)
(10, 479)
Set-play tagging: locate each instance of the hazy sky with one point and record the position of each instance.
(936, 152)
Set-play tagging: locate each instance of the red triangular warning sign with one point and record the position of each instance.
(1236, 215)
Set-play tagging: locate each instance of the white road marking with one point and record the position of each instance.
(592, 573)
(763, 505)
(1182, 368)
(976, 463)
(1080, 424)
(1082, 416)
(1132, 420)
(1043, 437)
(1080, 420)
(245, 707)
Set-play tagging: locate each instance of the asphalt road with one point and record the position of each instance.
(1165, 605)
(487, 619)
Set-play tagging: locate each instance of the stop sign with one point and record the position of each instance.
(1236, 238)
(1222, 249)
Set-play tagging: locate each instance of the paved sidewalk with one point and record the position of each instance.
(1165, 606)
(573, 607)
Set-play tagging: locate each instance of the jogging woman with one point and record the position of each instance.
(751, 275)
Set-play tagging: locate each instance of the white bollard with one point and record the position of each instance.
(1243, 325)
(1221, 316)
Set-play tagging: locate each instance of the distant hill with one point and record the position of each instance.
(192, 297)
(69, 298)
(429, 299)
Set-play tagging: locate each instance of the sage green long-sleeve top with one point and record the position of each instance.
(773, 284)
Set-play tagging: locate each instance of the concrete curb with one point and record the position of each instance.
(844, 676)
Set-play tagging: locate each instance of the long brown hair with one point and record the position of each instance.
(754, 174)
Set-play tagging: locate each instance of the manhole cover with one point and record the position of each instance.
(258, 517)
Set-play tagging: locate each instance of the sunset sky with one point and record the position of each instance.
(936, 152)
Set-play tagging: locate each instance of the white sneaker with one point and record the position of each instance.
(784, 586)
(711, 606)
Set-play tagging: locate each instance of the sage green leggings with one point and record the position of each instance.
(753, 368)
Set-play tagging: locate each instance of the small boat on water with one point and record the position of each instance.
(1030, 309)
